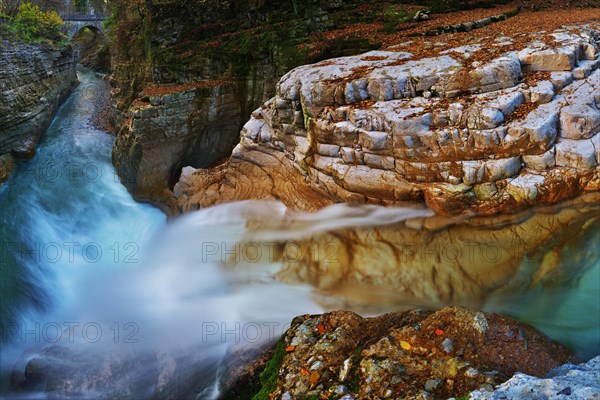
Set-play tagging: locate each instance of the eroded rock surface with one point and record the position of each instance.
(413, 354)
(463, 131)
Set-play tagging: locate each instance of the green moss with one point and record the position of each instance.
(394, 16)
(268, 378)
(353, 377)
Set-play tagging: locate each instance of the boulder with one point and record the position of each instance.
(413, 354)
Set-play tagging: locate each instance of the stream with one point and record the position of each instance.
(89, 275)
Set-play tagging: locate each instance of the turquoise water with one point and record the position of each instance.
(62, 215)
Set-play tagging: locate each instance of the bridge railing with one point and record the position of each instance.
(82, 17)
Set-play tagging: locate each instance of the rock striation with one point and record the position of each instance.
(484, 128)
(34, 80)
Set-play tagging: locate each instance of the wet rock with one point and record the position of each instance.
(6, 166)
(74, 370)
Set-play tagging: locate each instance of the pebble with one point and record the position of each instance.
(448, 347)
(341, 390)
(316, 366)
(286, 396)
(432, 384)
(480, 322)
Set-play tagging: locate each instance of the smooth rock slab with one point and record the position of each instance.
(578, 154)
(540, 162)
(557, 59)
(579, 121)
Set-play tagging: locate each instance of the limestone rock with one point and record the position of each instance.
(384, 128)
(579, 121)
(34, 80)
(577, 154)
(576, 382)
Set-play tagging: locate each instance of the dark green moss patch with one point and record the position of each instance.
(268, 378)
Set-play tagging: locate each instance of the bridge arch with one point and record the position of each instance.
(72, 26)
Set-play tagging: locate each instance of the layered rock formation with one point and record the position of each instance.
(412, 355)
(490, 126)
(34, 80)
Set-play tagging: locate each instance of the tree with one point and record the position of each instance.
(11, 7)
(33, 24)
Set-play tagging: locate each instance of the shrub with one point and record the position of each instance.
(392, 17)
(34, 25)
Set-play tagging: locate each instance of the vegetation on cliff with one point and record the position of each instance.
(31, 24)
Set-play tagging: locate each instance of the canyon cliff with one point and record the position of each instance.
(187, 77)
(34, 80)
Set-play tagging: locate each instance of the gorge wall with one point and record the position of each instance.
(187, 76)
(34, 80)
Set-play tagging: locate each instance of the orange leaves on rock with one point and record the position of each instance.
(521, 112)
(357, 73)
(289, 349)
(314, 378)
(304, 371)
(374, 58)
(439, 332)
(321, 328)
(532, 78)
(163, 89)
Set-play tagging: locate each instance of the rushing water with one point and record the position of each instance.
(85, 266)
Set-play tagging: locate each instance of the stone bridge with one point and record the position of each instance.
(76, 22)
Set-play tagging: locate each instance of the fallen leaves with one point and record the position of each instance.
(163, 90)
(314, 378)
(521, 112)
(321, 328)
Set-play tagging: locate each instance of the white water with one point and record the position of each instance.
(161, 290)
